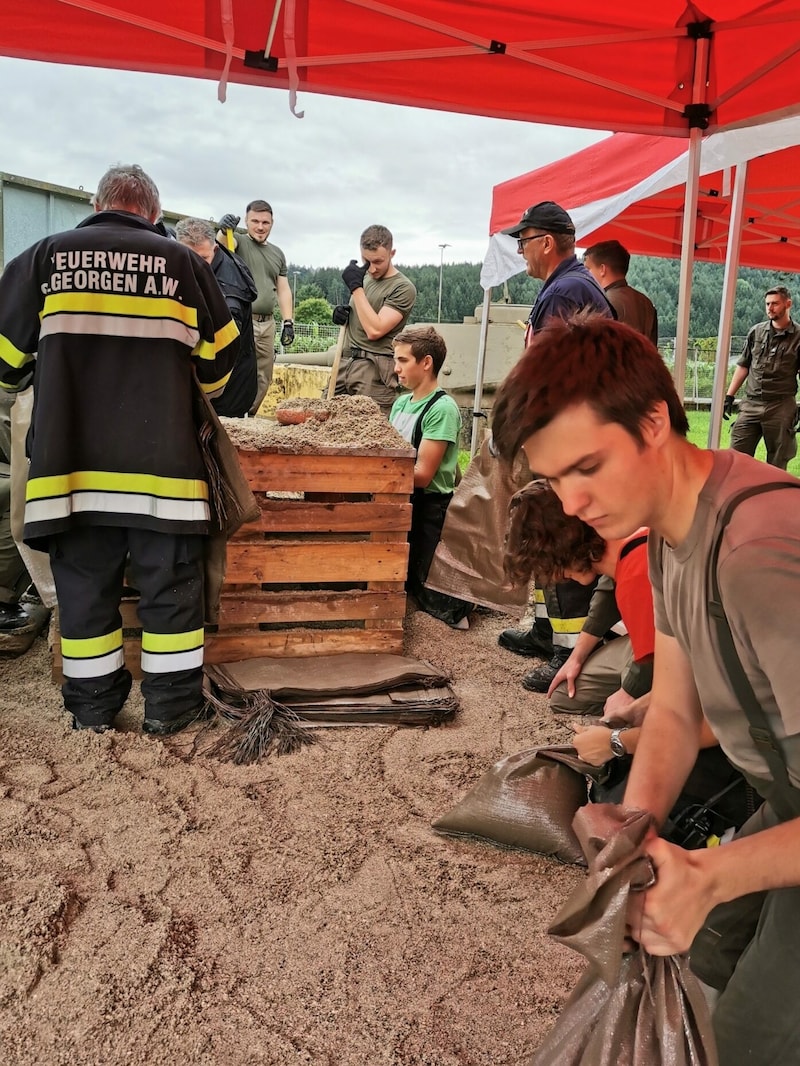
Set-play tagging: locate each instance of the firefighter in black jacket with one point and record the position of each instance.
(239, 289)
(110, 320)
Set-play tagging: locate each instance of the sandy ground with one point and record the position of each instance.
(161, 908)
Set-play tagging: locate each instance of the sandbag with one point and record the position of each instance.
(627, 1010)
(527, 800)
(468, 563)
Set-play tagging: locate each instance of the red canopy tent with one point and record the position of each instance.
(632, 188)
(658, 68)
(671, 68)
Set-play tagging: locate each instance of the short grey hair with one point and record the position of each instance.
(194, 231)
(126, 187)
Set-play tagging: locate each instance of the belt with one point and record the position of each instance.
(262, 318)
(362, 353)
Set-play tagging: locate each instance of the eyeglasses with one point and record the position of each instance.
(522, 241)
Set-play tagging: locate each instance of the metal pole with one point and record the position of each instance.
(441, 267)
(728, 302)
(479, 372)
(294, 287)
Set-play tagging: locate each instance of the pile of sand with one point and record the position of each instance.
(164, 908)
(353, 422)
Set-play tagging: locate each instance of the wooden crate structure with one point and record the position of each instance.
(321, 571)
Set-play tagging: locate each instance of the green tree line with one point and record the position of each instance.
(659, 278)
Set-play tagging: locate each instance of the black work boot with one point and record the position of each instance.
(13, 616)
(540, 678)
(526, 642)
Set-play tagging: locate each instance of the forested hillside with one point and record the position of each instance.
(462, 293)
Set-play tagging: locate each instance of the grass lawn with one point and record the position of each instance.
(698, 434)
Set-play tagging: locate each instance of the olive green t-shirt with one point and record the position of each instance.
(395, 291)
(267, 263)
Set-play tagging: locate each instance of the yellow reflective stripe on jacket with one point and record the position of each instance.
(169, 642)
(211, 388)
(11, 355)
(222, 338)
(174, 488)
(112, 304)
(92, 656)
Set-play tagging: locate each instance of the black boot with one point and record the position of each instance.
(540, 678)
(526, 642)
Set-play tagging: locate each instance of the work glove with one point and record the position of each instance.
(341, 315)
(727, 409)
(796, 423)
(353, 275)
(229, 221)
(287, 333)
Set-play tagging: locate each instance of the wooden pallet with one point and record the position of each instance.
(320, 573)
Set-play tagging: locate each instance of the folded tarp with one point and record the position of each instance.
(273, 704)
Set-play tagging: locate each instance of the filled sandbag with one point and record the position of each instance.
(527, 800)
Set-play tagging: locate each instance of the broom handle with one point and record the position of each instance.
(337, 358)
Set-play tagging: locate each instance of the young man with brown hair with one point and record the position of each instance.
(381, 302)
(604, 424)
(430, 420)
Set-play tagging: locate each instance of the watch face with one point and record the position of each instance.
(617, 747)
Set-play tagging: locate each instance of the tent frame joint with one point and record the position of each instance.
(700, 31)
(498, 47)
(697, 115)
(259, 61)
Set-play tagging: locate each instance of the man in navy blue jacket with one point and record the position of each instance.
(546, 240)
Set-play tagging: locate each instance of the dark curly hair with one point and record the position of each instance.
(542, 542)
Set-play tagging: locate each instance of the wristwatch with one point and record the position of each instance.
(617, 747)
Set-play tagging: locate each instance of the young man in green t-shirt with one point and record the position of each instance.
(430, 420)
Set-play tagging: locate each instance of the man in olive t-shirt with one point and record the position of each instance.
(380, 304)
(267, 264)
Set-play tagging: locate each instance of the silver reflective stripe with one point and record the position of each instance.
(97, 666)
(119, 326)
(168, 662)
(117, 503)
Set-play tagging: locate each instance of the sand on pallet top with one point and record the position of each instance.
(354, 422)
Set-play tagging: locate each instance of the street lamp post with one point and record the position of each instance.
(294, 287)
(441, 267)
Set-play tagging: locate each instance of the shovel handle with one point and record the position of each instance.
(337, 358)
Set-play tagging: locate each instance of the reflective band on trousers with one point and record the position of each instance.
(92, 656)
(166, 653)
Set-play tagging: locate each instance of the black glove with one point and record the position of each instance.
(341, 315)
(229, 222)
(353, 275)
(727, 408)
(287, 333)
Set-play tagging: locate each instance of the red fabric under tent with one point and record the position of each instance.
(657, 68)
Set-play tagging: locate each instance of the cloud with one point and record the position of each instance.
(427, 175)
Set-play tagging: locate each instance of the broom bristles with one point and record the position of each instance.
(259, 727)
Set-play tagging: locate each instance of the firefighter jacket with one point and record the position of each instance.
(108, 320)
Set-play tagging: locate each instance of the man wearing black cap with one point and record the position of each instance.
(546, 239)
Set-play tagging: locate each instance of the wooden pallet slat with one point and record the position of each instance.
(340, 541)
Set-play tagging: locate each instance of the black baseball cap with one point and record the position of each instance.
(546, 216)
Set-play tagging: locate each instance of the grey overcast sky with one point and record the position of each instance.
(427, 175)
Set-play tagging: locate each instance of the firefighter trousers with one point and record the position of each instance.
(89, 564)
